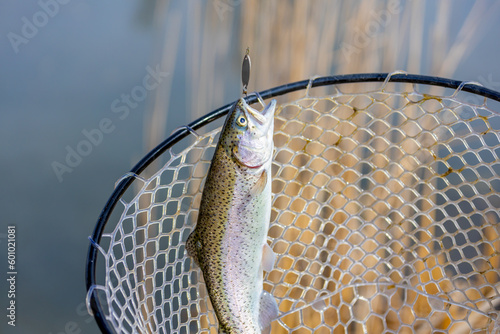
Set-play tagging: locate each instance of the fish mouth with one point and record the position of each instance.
(262, 118)
(255, 143)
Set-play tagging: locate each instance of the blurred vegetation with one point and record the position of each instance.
(295, 40)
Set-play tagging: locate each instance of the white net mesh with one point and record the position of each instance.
(385, 219)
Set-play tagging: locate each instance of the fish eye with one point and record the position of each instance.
(241, 121)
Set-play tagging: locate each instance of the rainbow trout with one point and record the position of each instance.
(229, 241)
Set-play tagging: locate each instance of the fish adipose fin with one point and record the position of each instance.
(268, 311)
(268, 258)
(260, 185)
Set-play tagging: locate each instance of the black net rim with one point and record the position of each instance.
(122, 186)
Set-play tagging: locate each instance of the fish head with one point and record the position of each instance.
(249, 134)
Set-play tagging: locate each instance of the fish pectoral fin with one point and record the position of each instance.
(191, 246)
(268, 311)
(268, 258)
(260, 185)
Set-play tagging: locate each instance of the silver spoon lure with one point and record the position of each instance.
(245, 71)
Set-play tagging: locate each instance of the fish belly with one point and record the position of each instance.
(228, 246)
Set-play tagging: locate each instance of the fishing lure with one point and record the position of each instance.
(245, 71)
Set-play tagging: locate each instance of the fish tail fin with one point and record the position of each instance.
(268, 311)
(191, 246)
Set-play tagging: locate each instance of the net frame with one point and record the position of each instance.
(94, 301)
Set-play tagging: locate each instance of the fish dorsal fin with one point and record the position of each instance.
(192, 246)
(260, 185)
(268, 311)
(268, 258)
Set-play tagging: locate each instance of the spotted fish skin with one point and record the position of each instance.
(229, 241)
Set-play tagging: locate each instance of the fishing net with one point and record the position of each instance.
(385, 219)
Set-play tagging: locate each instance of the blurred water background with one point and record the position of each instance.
(70, 67)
